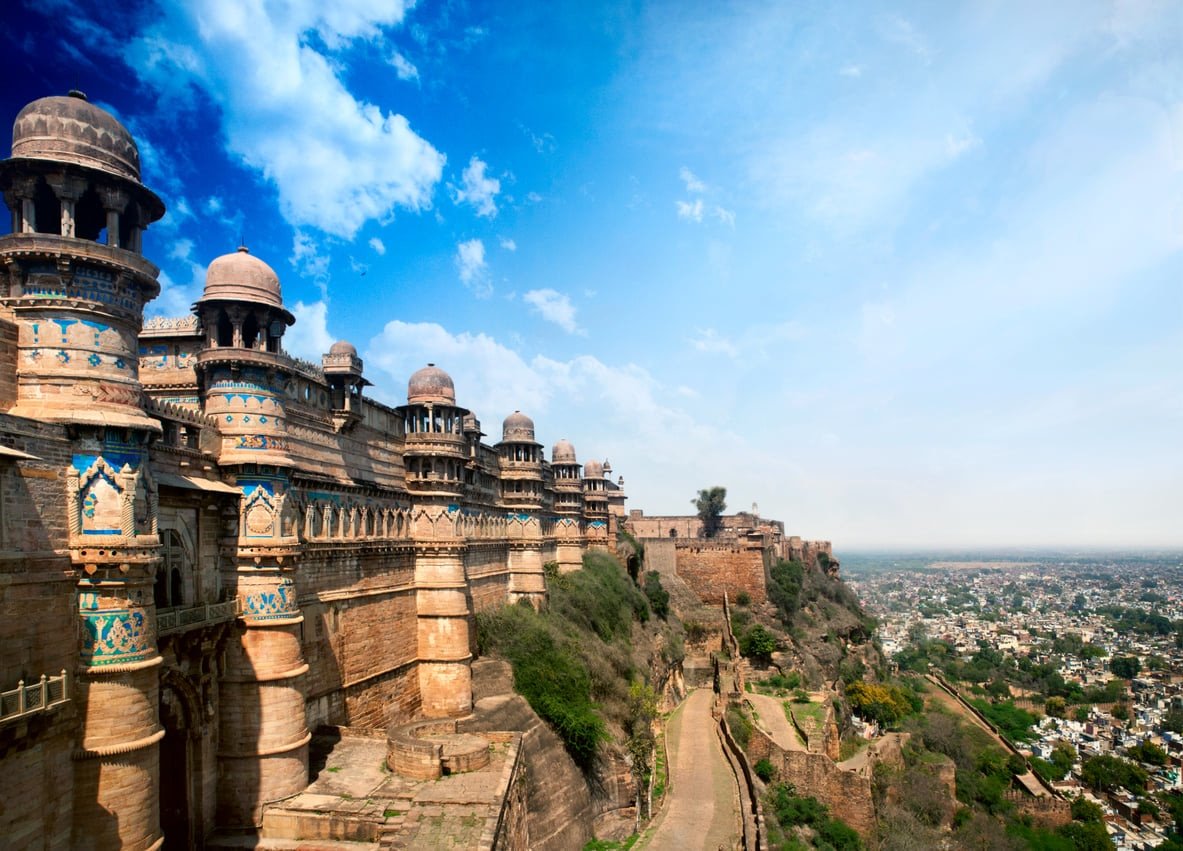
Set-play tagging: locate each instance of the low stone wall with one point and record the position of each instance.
(409, 755)
(847, 794)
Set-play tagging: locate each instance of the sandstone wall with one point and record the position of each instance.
(847, 794)
(710, 569)
(38, 634)
(360, 634)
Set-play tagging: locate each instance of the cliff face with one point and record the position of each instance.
(559, 805)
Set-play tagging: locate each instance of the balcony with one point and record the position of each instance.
(46, 694)
(185, 618)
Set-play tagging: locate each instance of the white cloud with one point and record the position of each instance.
(308, 260)
(404, 67)
(854, 71)
(533, 197)
(555, 307)
(181, 250)
(693, 184)
(711, 341)
(474, 271)
(176, 298)
(477, 189)
(508, 244)
(727, 217)
(627, 405)
(335, 160)
(378, 245)
(690, 210)
(957, 144)
(309, 338)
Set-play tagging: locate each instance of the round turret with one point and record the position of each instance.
(242, 277)
(593, 470)
(73, 130)
(563, 453)
(517, 427)
(343, 348)
(431, 385)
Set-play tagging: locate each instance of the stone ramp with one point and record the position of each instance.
(703, 808)
(770, 715)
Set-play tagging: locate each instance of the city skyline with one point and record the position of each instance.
(903, 277)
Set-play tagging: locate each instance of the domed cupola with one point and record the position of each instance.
(243, 371)
(517, 426)
(567, 485)
(242, 304)
(343, 370)
(437, 445)
(520, 456)
(595, 496)
(431, 386)
(75, 280)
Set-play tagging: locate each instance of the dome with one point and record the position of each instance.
(72, 129)
(343, 347)
(563, 453)
(593, 470)
(517, 426)
(242, 277)
(431, 384)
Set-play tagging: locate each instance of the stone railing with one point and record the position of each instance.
(194, 617)
(29, 699)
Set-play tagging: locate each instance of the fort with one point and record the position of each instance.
(210, 549)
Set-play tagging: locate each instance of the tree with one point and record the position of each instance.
(1126, 667)
(758, 643)
(711, 503)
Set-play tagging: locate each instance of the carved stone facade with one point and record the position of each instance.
(223, 547)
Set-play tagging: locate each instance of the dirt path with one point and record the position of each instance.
(770, 715)
(702, 812)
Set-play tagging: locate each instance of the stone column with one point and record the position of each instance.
(24, 188)
(117, 761)
(68, 190)
(441, 598)
(263, 753)
(114, 202)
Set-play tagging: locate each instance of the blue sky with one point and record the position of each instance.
(902, 274)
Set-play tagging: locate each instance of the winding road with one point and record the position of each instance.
(702, 810)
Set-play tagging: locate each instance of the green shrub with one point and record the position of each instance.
(764, 770)
(740, 726)
(659, 598)
(758, 643)
(743, 598)
(548, 673)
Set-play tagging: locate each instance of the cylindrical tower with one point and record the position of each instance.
(520, 459)
(436, 457)
(243, 376)
(242, 372)
(568, 489)
(74, 283)
(595, 504)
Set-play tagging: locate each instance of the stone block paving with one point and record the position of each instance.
(355, 797)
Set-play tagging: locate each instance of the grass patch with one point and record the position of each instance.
(574, 655)
(609, 845)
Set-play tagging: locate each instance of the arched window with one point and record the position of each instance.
(89, 216)
(225, 330)
(48, 209)
(250, 331)
(169, 590)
